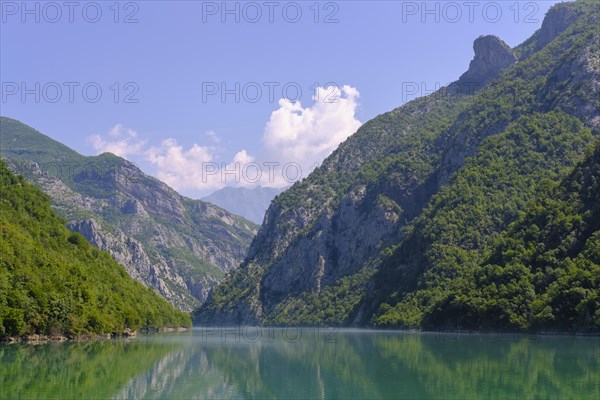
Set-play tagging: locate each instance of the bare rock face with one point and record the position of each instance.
(131, 254)
(492, 55)
(557, 20)
(90, 230)
(336, 246)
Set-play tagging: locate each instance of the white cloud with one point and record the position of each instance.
(124, 142)
(119, 131)
(307, 135)
(196, 168)
(182, 169)
(295, 136)
(243, 157)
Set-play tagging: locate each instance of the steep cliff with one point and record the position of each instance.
(492, 55)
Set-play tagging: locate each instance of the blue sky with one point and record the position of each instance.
(171, 60)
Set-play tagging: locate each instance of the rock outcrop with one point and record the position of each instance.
(492, 55)
(557, 20)
(131, 254)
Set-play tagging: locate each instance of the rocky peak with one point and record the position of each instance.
(557, 20)
(492, 55)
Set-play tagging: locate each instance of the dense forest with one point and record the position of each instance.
(53, 282)
(540, 273)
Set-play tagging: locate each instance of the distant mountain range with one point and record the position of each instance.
(250, 203)
(178, 246)
(476, 207)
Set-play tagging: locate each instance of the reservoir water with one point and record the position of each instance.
(302, 363)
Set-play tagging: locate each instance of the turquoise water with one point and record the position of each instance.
(306, 364)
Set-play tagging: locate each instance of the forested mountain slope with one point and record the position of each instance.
(53, 282)
(178, 246)
(540, 272)
(398, 221)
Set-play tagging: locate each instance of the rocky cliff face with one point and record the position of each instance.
(336, 245)
(178, 246)
(492, 55)
(322, 238)
(130, 253)
(558, 19)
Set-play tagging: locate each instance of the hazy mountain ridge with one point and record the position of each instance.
(250, 203)
(178, 246)
(316, 256)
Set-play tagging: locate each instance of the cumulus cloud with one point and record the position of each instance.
(243, 157)
(123, 142)
(295, 140)
(307, 135)
(196, 168)
(180, 168)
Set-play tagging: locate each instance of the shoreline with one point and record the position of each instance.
(367, 329)
(59, 338)
(130, 334)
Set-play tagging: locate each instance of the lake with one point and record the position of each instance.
(302, 363)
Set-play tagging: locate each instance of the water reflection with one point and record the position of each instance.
(93, 370)
(355, 364)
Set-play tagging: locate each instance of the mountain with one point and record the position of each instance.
(538, 271)
(53, 282)
(178, 246)
(249, 203)
(399, 226)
